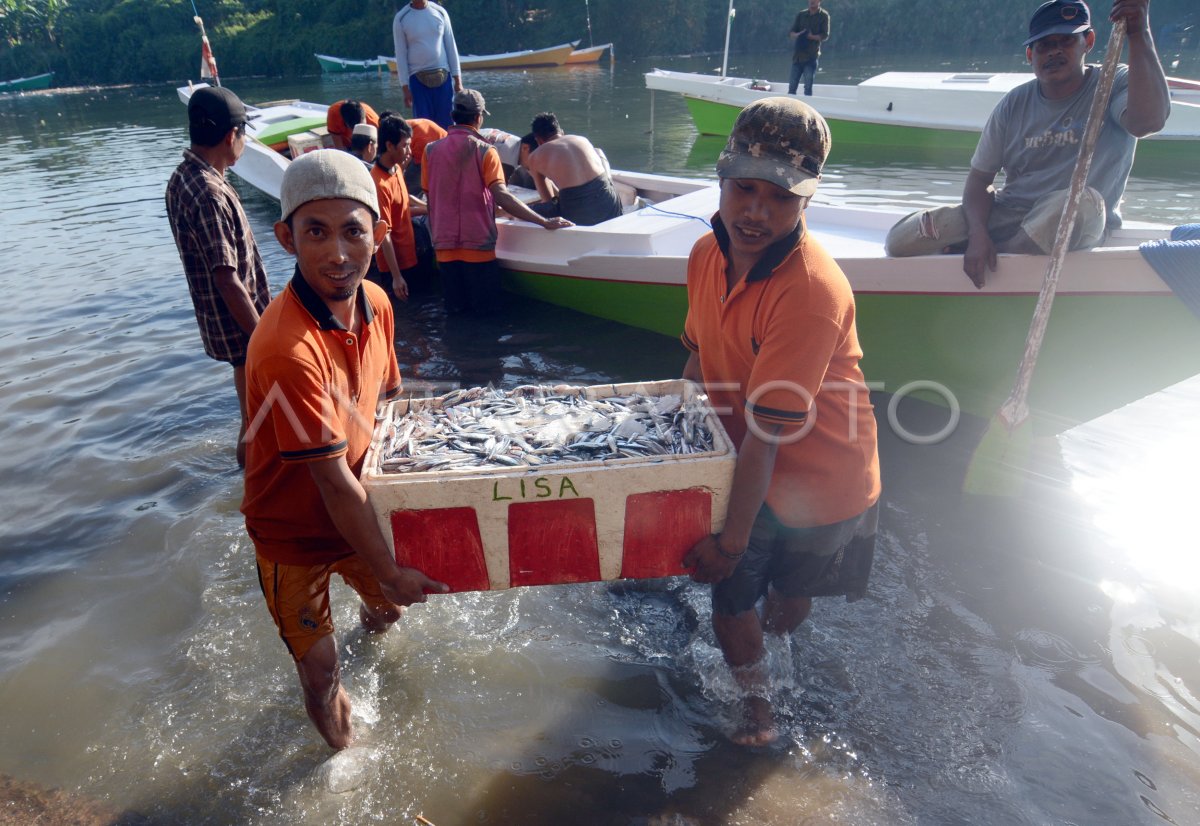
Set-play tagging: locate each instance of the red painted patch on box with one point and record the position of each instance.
(552, 542)
(662, 526)
(444, 544)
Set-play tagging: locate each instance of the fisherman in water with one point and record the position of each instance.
(771, 331)
(225, 272)
(320, 361)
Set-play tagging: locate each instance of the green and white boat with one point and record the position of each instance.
(1117, 333)
(931, 111)
(27, 84)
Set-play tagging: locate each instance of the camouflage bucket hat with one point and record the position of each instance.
(782, 140)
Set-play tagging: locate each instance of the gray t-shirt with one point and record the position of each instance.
(1035, 142)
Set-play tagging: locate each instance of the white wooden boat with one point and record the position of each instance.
(270, 125)
(938, 110)
(1117, 333)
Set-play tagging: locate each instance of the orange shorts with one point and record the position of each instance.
(298, 597)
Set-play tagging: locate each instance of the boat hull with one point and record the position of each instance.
(961, 349)
(1116, 333)
(712, 118)
(659, 308)
(910, 112)
(27, 84)
(526, 59)
(592, 54)
(338, 65)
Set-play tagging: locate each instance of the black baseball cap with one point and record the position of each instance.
(1059, 17)
(216, 109)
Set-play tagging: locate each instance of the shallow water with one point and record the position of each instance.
(1015, 662)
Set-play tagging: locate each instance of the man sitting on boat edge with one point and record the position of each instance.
(1033, 135)
(571, 175)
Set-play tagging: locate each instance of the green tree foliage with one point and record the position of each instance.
(29, 22)
(120, 41)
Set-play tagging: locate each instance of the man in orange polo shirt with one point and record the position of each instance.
(424, 132)
(771, 331)
(343, 116)
(398, 252)
(320, 361)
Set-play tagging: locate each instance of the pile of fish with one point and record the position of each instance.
(537, 425)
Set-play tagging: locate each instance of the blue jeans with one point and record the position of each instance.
(807, 70)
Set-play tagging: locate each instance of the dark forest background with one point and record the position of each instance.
(129, 41)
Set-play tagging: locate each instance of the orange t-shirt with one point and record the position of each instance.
(312, 388)
(424, 132)
(394, 211)
(336, 126)
(782, 349)
(493, 172)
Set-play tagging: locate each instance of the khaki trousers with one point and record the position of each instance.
(931, 231)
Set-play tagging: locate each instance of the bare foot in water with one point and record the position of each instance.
(377, 625)
(758, 723)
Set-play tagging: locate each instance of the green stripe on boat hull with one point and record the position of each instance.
(1100, 352)
(712, 118)
(655, 307)
(279, 133)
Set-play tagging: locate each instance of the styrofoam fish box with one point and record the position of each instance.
(308, 141)
(480, 529)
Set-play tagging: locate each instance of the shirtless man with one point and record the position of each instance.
(571, 176)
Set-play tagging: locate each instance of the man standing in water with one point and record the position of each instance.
(772, 335)
(319, 363)
(1034, 134)
(224, 270)
(464, 180)
(427, 60)
(810, 30)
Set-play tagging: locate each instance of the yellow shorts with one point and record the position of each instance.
(298, 597)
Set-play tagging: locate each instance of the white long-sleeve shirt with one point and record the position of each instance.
(424, 40)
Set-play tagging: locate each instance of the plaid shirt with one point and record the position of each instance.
(211, 231)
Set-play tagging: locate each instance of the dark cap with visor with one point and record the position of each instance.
(781, 140)
(216, 109)
(1059, 17)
